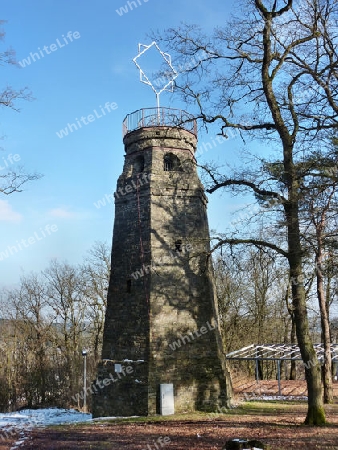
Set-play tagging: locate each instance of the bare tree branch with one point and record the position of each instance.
(255, 242)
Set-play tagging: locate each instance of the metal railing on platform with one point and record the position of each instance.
(159, 117)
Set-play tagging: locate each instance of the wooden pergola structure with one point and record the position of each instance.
(278, 353)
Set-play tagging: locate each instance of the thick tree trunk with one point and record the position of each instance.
(316, 413)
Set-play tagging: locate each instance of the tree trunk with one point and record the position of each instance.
(315, 413)
(293, 373)
(326, 337)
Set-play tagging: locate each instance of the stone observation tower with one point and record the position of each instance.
(161, 326)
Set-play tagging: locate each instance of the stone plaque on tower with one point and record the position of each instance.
(161, 324)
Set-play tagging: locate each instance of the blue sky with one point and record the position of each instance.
(87, 64)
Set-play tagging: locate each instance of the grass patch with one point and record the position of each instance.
(188, 416)
(248, 408)
(272, 407)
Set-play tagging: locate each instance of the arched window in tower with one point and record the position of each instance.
(138, 165)
(171, 163)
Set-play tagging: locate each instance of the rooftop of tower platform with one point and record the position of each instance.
(159, 117)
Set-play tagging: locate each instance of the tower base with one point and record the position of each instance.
(129, 392)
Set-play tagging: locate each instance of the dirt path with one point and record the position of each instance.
(279, 425)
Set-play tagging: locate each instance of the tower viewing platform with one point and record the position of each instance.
(159, 117)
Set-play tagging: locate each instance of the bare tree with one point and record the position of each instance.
(66, 299)
(13, 180)
(27, 367)
(35, 328)
(272, 73)
(96, 272)
(250, 287)
(253, 283)
(45, 323)
(8, 373)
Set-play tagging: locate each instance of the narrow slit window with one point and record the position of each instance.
(128, 286)
(139, 164)
(178, 245)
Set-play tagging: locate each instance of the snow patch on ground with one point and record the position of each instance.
(24, 421)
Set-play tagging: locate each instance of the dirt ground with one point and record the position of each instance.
(278, 424)
(251, 388)
(7, 442)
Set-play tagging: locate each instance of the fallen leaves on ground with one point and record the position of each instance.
(278, 425)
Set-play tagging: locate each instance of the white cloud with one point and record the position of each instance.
(62, 213)
(7, 214)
